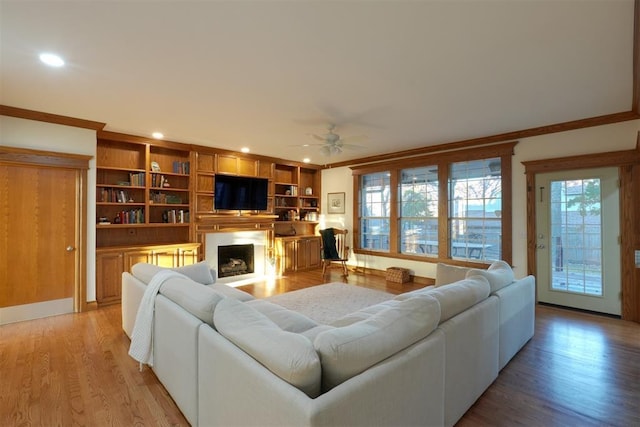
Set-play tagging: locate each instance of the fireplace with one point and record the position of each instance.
(235, 244)
(235, 260)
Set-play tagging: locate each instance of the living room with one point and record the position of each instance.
(597, 136)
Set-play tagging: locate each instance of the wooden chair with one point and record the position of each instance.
(334, 249)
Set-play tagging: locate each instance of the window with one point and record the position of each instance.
(418, 211)
(444, 206)
(375, 211)
(475, 209)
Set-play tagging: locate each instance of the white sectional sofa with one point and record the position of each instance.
(420, 358)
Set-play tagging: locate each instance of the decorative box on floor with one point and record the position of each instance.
(398, 275)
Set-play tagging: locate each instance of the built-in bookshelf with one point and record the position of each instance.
(293, 189)
(296, 193)
(143, 193)
(209, 164)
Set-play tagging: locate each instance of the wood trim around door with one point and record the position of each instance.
(628, 162)
(80, 163)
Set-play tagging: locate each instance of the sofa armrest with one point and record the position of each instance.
(517, 317)
(132, 292)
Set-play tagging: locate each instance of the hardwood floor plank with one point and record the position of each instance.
(578, 370)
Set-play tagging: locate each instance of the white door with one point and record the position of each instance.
(578, 250)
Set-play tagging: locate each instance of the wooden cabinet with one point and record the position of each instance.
(109, 268)
(112, 262)
(208, 164)
(143, 191)
(297, 253)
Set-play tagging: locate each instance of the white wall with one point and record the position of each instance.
(615, 137)
(15, 132)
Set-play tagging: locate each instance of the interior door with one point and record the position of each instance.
(578, 250)
(38, 241)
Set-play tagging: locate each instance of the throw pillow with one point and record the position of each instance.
(288, 355)
(350, 350)
(199, 272)
(499, 274)
(446, 274)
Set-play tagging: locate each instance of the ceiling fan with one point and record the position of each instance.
(332, 143)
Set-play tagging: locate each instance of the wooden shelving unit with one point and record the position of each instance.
(155, 203)
(143, 192)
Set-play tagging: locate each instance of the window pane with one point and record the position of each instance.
(576, 236)
(475, 210)
(418, 211)
(375, 209)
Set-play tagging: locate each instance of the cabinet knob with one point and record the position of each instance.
(70, 248)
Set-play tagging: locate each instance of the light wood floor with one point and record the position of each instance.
(578, 370)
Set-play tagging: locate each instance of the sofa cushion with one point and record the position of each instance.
(231, 292)
(350, 350)
(499, 274)
(456, 297)
(287, 320)
(446, 274)
(198, 272)
(288, 355)
(362, 314)
(196, 299)
(421, 291)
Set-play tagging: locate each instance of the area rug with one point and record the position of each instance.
(325, 303)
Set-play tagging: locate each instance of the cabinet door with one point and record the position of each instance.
(302, 254)
(187, 256)
(133, 257)
(289, 261)
(109, 268)
(165, 258)
(313, 252)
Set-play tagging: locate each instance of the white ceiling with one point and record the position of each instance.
(266, 74)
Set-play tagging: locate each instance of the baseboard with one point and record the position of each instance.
(38, 310)
(580, 310)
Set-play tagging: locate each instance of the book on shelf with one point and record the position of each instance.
(137, 179)
(181, 167)
(133, 216)
(159, 181)
(175, 216)
(115, 195)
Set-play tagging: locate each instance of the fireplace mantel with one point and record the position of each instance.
(210, 223)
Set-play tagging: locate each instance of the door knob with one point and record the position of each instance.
(540, 246)
(70, 248)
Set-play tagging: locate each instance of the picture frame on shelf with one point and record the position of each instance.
(335, 203)
(155, 167)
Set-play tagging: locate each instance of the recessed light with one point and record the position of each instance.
(157, 135)
(244, 149)
(306, 160)
(51, 59)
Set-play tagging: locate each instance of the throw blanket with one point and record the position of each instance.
(141, 348)
(329, 250)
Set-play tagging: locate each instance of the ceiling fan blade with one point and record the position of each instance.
(353, 147)
(318, 137)
(355, 138)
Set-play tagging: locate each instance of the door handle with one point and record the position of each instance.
(70, 248)
(540, 246)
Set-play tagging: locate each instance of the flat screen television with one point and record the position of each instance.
(240, 193)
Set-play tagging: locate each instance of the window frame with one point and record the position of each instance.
(443, 161)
